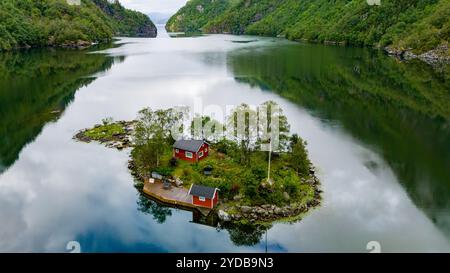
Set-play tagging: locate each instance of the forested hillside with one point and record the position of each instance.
(419, 25)
(196, 14)
(31, 23)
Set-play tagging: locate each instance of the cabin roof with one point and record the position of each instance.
(188, 145)
(203, 191)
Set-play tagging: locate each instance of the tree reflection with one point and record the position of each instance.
(35, 88)
(150, 207)
(246, 234)
(401, 110)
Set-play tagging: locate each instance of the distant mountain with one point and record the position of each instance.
(159, 18)
(58, 23)
(416, 26)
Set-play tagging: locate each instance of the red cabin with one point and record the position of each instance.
(191, 150)
(203, 196)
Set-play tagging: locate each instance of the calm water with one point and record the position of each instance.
(378, 131)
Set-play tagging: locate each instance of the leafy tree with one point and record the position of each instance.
(153, 135)
(204, 127)
(242, 128)
(273, 126)
(298, 157)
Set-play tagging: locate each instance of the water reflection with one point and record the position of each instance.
(363, 142)
(35, 88)
(400, 110)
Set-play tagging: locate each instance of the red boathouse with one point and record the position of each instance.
(203, 196)
(190, 150)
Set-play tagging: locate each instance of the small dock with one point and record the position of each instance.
(175, 196)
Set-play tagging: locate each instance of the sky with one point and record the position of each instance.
(154, 6)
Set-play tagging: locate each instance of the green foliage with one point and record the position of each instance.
(204, 127)
(399, 109)
(250, 182)
(26, 23)
(153, 137)
(164, 170)
(238, 165)
(417, 24)
(105, 132)
(298, 158)
(196, 14)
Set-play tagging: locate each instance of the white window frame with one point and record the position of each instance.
(177, 151)
(206, 149)
(201, 198)
(200, 154)
(189, 154)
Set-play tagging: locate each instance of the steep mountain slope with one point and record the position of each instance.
(197, 13)
(414, 25)
(25, 23)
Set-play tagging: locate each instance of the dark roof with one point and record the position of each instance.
(189, 145)
(202, 191)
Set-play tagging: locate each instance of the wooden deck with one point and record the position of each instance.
(175, 196)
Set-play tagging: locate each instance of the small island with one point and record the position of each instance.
(227, 176)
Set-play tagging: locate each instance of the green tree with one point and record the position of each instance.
(204, 127)
(242, 128)
(153, 135)
(298, 156)
(273, 126)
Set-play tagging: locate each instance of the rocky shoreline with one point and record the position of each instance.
(269, 213)
(434, 57)
(118, 141)
(229, 211)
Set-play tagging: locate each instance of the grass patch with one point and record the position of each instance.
(247, 182)
(105, 132)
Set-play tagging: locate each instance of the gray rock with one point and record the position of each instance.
(246, 209)
(286, 196)
(224, 216)
(408, 55)
(237, 197)
(310, 181)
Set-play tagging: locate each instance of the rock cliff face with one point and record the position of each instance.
(127, 22)
(148, 30)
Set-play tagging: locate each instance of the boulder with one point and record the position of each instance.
(246, 209)
(223, 216)
(237, 197)
(278, 211)
(286, 196)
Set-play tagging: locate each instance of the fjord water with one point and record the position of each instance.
(377, 129)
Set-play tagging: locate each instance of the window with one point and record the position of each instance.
(206, 149)
(200, 154)
(177, 151)
(189, 154)
(201, 198)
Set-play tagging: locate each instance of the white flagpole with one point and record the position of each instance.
(270, 158)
